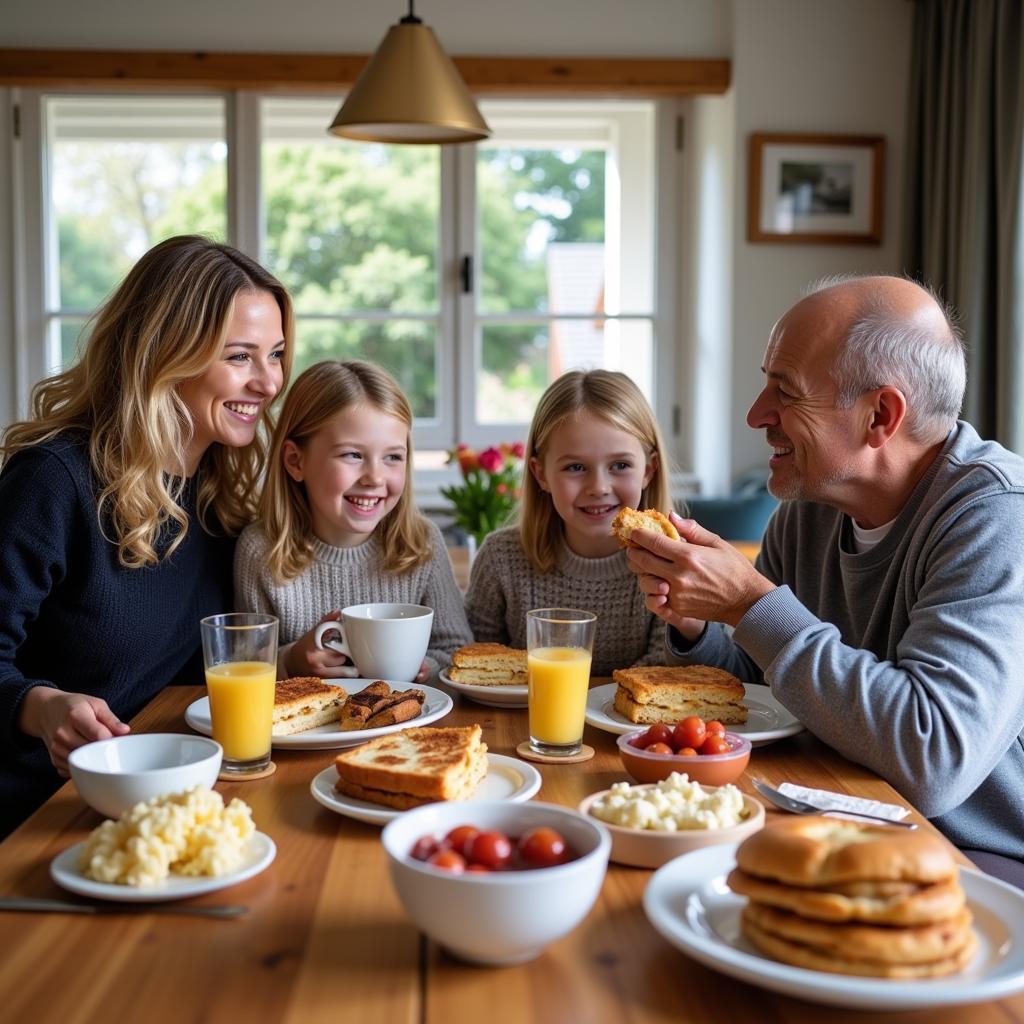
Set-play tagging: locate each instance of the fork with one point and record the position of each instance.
(788, 803)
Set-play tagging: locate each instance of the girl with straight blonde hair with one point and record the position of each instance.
(337, 522)
(594, 448)
(120, 498)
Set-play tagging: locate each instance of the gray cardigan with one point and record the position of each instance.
(909, 657)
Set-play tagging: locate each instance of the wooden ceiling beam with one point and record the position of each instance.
(485, 76)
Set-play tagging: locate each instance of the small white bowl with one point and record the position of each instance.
(114, 775)
(501, 917)
(645, 848)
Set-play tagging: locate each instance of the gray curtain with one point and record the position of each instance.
(965, 192)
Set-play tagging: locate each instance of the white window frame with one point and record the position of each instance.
(457, 342)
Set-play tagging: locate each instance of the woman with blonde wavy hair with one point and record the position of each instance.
(594, 448)
(338, 525)
(120, 498)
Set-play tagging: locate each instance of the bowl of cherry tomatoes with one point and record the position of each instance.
(495, 882)
(705, 751)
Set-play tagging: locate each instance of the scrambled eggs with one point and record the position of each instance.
(673, 805)
(190, 833)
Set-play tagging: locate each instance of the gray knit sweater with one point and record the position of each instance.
(907, 658)
(504, 586)
(339, 577)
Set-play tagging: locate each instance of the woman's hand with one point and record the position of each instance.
(306, 659)
(424, 673)
(65, 721)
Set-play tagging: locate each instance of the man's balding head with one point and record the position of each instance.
(890, 330)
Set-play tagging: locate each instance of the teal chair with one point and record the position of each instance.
(742, 515)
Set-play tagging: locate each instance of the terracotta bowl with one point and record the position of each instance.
(643, 848)
(707, 769)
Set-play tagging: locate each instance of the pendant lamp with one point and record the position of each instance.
(410, 91)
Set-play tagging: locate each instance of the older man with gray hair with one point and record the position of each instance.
(886, 607)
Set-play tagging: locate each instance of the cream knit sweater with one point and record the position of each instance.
(339, 577)
(504, 586)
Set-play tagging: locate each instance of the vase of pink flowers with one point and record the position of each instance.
(489, 490)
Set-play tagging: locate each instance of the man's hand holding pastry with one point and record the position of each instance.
(696, 578)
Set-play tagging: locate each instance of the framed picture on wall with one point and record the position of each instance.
(816, 188)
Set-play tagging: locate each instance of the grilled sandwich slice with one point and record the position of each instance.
(489, 665)
(305, 702)
(659, 693)
(415, 766)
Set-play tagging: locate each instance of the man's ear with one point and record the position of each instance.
(291, 456)
(537, 471)
(888, 410)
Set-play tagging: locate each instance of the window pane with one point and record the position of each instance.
(72, 334)
(405, 347)
(518, 361)
(542, 228)
(124, 174)
(349, 226)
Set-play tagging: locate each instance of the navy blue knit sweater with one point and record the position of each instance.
(73, 617)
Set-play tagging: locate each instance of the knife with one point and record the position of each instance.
(33, 904)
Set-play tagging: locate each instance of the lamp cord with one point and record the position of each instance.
(410, 18)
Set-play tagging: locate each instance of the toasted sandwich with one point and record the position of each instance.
(305, 702)
(658, 693)
(489, 665)
(629, 519)
(415, 766)
(377, 705)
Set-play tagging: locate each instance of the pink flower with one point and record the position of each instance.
(491, 460)
(519, 449)
(467, 460)
(502, 488)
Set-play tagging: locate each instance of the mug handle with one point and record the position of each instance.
(334, 645)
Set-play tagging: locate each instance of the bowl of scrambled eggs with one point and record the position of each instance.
(652, 823)
(114, 775)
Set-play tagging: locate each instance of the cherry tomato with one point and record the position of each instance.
(477, 869)
(686, 752)
(660, 748)
(640, 742)
(715, 744)
(542, 847)
(490, 848)
(424, 847)
(715, 726)
(690, 732)
(659, 733)
(448, 860)
(460, 837)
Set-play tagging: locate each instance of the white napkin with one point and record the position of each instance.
(826, 800)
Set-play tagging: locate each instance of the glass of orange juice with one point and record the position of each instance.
(559, 642)
(240, 655)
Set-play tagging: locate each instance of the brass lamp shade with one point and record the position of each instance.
(410, 91)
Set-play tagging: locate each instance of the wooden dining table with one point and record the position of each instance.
(325, 938)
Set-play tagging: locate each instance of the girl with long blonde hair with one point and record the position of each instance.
(594, 447)
(120, 498)
(337, 522)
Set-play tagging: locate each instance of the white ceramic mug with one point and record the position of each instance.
(384, 641)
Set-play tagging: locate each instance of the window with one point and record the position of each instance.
(476, 274)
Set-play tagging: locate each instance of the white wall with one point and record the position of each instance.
(809, 66)
(797, 65)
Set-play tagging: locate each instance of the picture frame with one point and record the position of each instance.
(816, 188)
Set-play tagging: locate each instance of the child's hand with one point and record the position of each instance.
(423, 674)
(306, 659)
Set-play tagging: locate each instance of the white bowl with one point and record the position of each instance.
(501, 917)
(645, 848)
(114, 775)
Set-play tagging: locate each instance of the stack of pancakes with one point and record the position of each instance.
(836, 895)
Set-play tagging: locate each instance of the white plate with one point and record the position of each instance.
(689, 903)
(507, 778)
(492, 696)
(767, 719)
(65, 872)
(327, 737)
